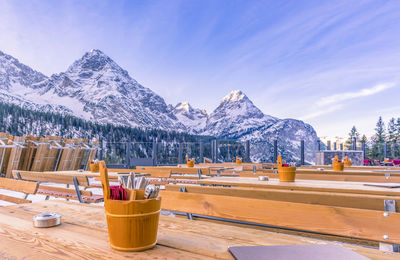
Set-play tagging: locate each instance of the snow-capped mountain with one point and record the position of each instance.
(193, 118)
(96, 88)
(239, 119)
(15, 82)
(235, 116)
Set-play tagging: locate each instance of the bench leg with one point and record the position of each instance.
(78, 192)
(47, 198)
(26, 196)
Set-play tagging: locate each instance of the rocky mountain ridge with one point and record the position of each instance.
(96, 88)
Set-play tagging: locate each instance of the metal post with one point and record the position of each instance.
(275, 150)
(216, 150)
(328, 145)
(101, 148)
(390, 206)
(302, 152)
(363, 149)
(154, 152)
(319, 145)
(334, 146)
(385, 150)
(341, 147)
(201, 151)
(180, 151)
(78, 192)
(354, 143)
(128, 155)
(212, 151)
(247, 148)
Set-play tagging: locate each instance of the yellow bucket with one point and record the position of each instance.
(338, 166)
(190, 164)
(94, 167)
(132, 224)
(347, 163)
(286, 174)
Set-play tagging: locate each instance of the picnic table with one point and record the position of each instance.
(83, 235)
(309, 185)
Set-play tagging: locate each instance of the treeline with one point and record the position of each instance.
(386, 135)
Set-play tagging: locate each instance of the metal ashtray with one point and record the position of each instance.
(262, 178)
(47, 220)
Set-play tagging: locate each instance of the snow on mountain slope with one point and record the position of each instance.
(239, 119)
(236, 115)
(96, 88)
(193, 118)
(108, 94)
(15, 82)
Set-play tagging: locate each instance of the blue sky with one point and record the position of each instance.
(333, 64)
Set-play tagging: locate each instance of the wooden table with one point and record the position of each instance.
(381, 176)
(83, 235)
(309, 185)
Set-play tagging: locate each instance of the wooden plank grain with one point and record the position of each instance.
(359, 223)
(177, 234)
(360, 201)
(309, 185)
(70, 239)
(19, 185)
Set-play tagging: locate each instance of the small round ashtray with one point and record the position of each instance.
(262, 178)
(47, 220)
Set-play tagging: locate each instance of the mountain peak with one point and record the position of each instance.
(234, 96)
(184, 106)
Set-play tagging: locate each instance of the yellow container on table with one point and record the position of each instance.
(347, 163)
(238, 160)
(132, 224)
(338, 166)
(94, 167)
(286, 174)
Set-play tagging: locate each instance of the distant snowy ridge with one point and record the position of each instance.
(96, 88)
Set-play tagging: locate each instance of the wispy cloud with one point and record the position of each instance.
(333, 99)
(322, 111)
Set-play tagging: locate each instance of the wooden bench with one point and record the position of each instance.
(345, 215)
(157, 172)
(329, 175)
(53, 177)
(27, 187)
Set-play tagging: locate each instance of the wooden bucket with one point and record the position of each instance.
(132, 224)
(338, 166)
(190, 164)
(286, 174)
(347, 163)
(94, 167)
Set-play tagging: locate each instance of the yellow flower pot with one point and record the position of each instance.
(347, 163)
(286, 174)
(190, 164)
(338, 166)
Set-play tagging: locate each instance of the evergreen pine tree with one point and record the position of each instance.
(353, 134)
(379, 139)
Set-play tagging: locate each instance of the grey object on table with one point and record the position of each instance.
(294, 252)
(45, 220)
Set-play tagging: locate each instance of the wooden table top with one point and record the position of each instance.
(83, 235)
(310, 185)
(377, 172)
